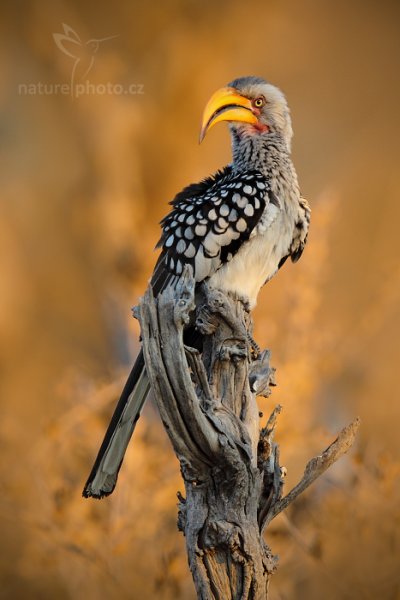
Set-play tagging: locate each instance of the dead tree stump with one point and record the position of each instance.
(230, 468)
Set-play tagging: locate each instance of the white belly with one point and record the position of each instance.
(255, 262)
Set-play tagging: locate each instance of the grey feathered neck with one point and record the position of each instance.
(258, 152)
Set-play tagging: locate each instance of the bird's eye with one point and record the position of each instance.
(259, 102)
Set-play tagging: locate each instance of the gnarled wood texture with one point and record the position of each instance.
(230, 468)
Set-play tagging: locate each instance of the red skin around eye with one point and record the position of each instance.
(261, 127)
(253, 129)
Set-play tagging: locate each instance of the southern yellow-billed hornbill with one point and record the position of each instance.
(236, 229)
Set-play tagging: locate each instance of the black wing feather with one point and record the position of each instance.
(210, 221)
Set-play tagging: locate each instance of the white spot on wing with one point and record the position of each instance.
(188, 233)
(249, 210)
(236, 198)
(233, 215)
(190, 251)
(181, 247)
(222, 223)
(224, 210)
(241, 225)
(200, 230)
(179, 267)
(169, 241)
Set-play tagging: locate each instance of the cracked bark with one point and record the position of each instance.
(230, 468)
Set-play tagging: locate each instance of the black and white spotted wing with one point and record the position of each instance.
(210, 221)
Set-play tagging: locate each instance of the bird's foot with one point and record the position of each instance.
(255, 349)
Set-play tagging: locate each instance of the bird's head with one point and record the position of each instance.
(252, 106)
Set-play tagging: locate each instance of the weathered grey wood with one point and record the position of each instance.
(230, 468)
(316, 467)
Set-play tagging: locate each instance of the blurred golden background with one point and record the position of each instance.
(84, 183)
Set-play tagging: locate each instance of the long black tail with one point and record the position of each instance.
(104, 474)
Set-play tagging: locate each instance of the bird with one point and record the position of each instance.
(72, 45)
(235, 228)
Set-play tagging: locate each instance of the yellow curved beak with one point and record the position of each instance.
(226, 105)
